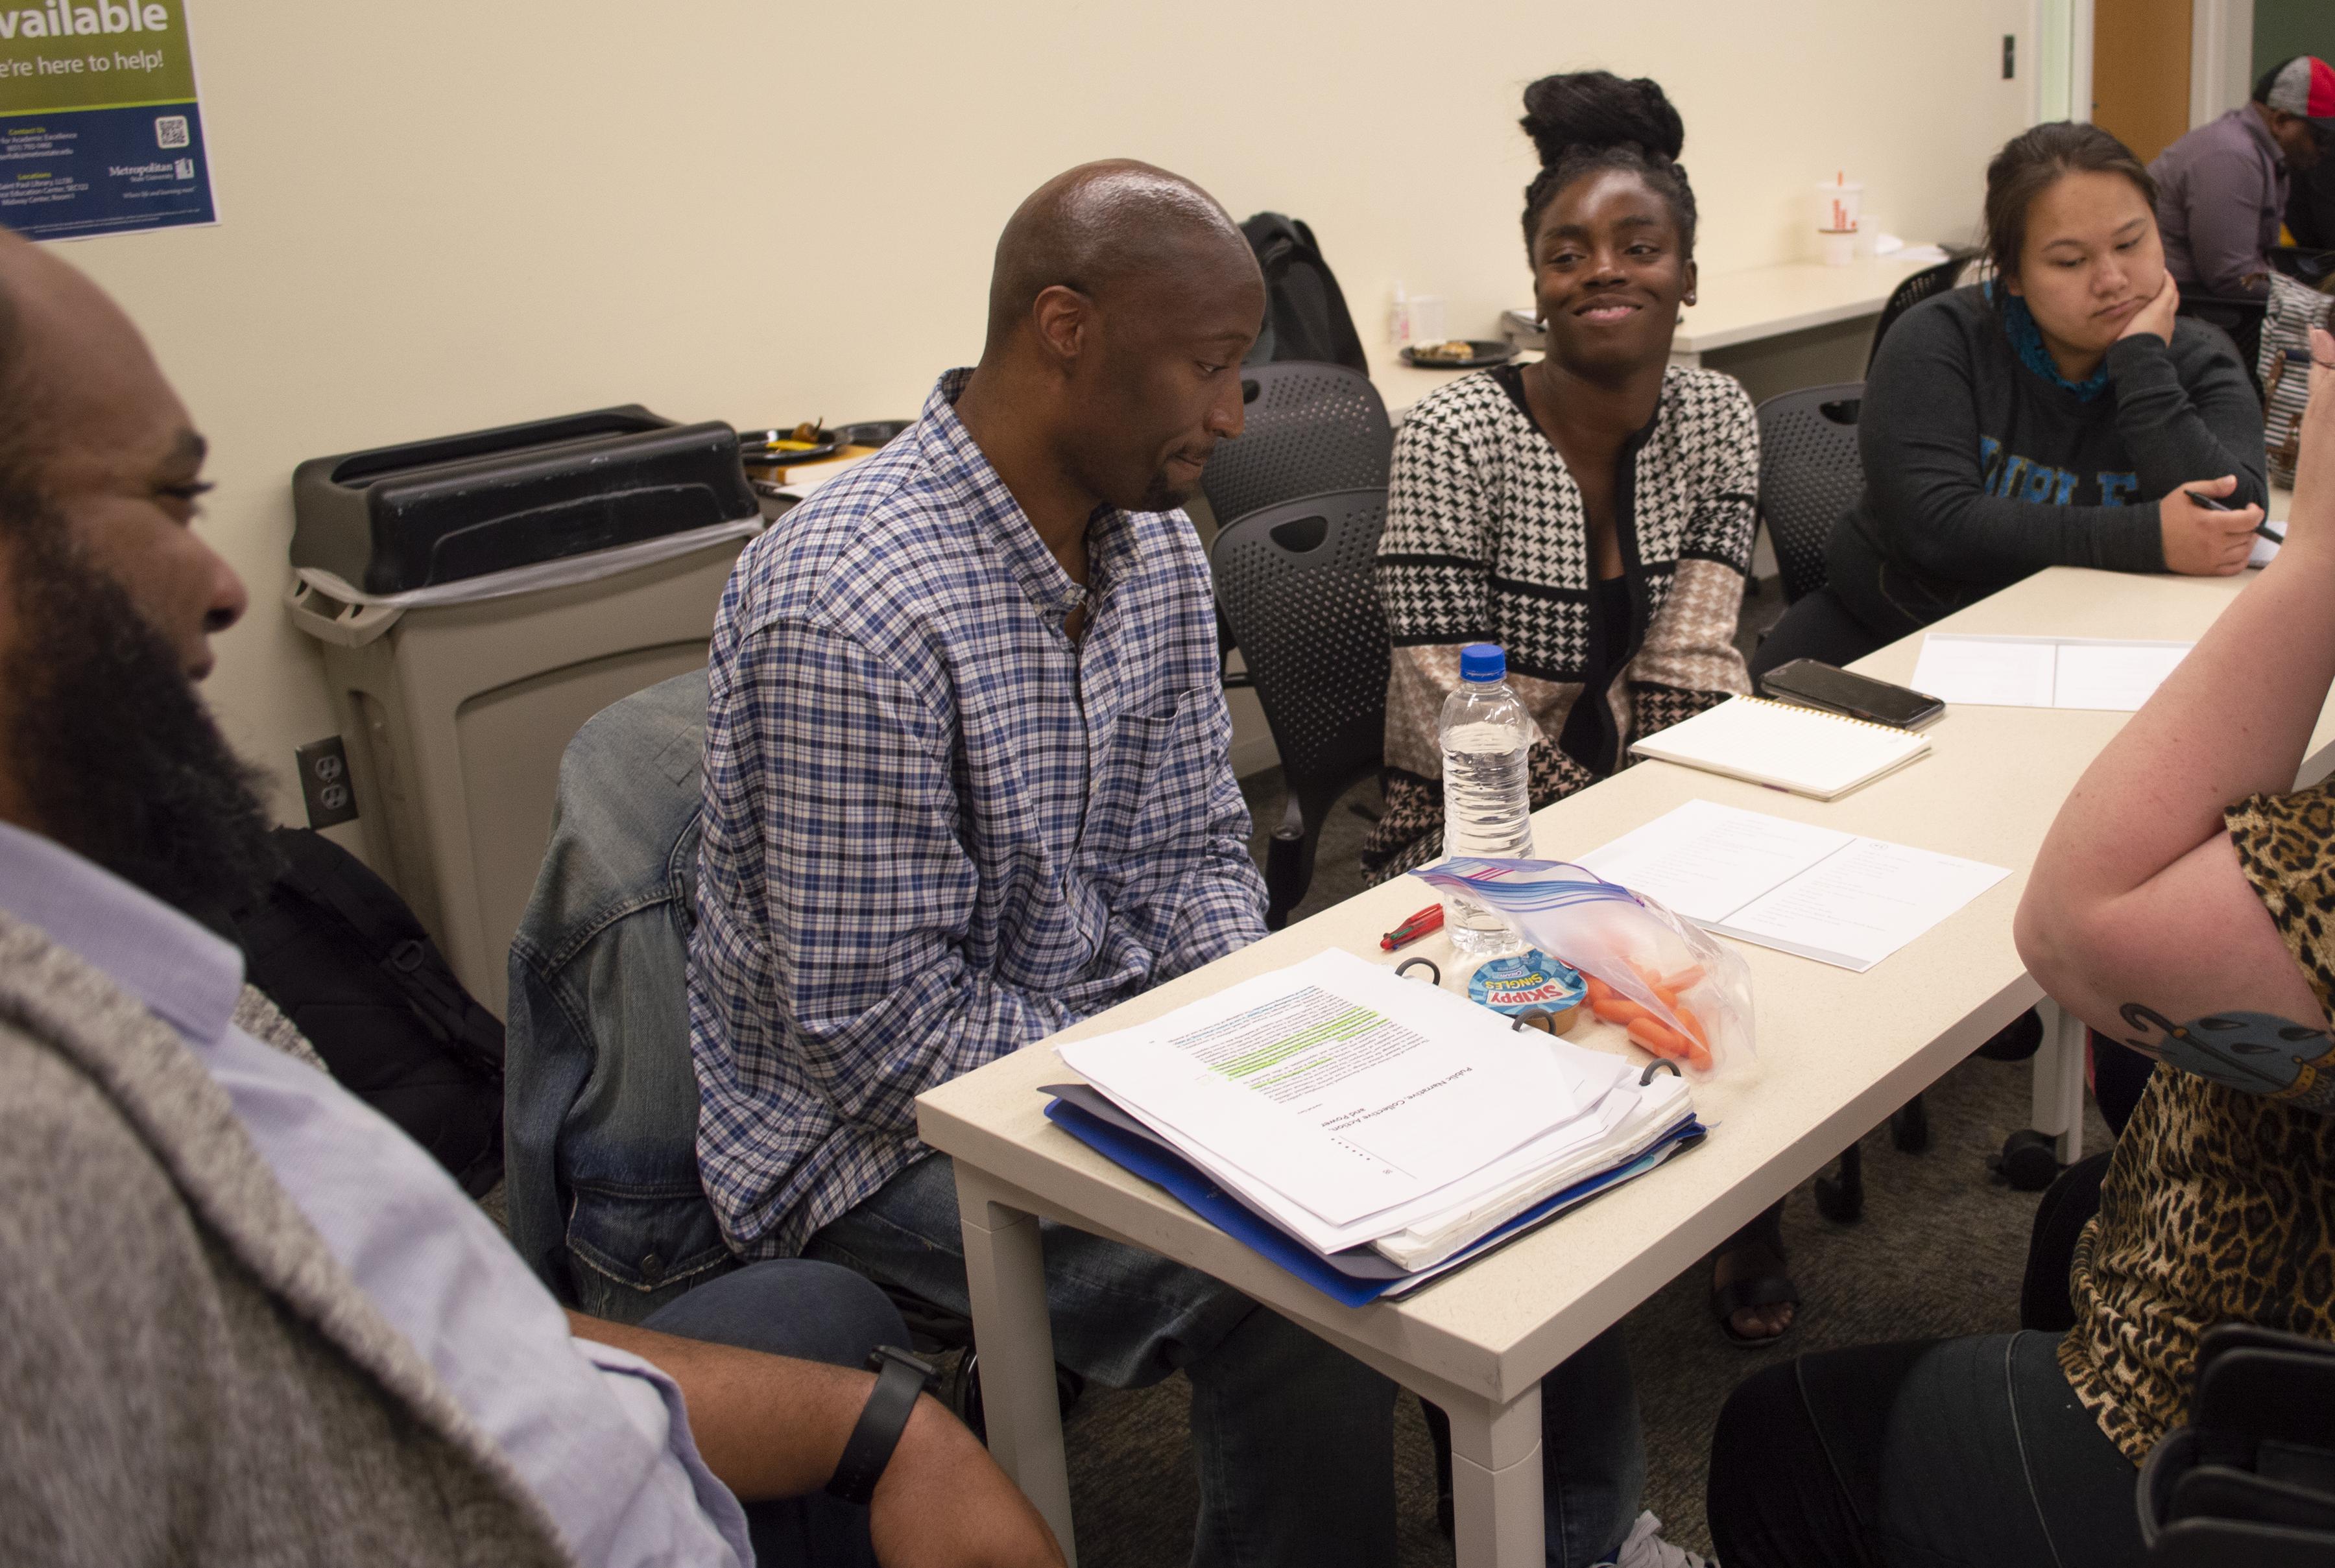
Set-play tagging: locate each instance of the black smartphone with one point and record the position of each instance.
(1814, 684)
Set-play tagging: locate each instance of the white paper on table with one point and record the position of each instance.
(2113, 675)
(1337, 1084)
(1816, 892)
(1706, 861)
(1989, 672)
(2265, 551)
(2116, 676)
(1856, 907)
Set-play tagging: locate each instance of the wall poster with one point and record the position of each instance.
(100, 128)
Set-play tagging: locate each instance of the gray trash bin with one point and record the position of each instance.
(477, 599)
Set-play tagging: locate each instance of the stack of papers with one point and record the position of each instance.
(2101, 672)
(1818, 892)
(1365, 1131)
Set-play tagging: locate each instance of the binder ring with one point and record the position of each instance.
(1540, 1018)
(1653, 1068)
(1434, 970)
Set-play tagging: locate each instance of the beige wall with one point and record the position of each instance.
(441, 216)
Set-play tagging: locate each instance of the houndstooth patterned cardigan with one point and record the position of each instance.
(1486, 541)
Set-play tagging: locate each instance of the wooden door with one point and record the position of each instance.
(2140, 71)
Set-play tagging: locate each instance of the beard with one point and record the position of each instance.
(118, 759)
(1164, 494)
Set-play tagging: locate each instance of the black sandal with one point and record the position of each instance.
(1772, 1287)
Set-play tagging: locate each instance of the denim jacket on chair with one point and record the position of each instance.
(601, 1104)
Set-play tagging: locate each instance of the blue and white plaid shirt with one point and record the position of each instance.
(936, 828)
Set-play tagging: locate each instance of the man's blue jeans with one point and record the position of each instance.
(813, 1313)
(1293, 1439)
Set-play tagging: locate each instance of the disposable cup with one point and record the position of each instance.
(1838, 203)
(1839, 246)
(1427, 319)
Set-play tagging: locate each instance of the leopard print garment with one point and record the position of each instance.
(2218, 1205)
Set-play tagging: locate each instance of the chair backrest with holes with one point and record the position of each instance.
(1307, 428)
(1809, 474)
(1296, 582)
(1923, 284)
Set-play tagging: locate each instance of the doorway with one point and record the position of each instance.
(2140, 71)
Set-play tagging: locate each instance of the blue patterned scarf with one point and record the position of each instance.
(2028, 339)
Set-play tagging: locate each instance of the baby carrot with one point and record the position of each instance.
(1686, 979)
(1618, 1010)
(1698, 1043)
(1659, 1038)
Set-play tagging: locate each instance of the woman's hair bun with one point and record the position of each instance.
(1586, 110)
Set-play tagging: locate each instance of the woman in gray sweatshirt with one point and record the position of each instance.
(2058, 415)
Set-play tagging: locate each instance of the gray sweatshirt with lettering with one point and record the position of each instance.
(1982, 465)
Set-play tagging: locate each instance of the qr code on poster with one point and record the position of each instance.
(171, 130)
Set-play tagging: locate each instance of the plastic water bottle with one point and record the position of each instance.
(1487, 740)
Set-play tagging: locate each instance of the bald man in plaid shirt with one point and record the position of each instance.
(968, 780)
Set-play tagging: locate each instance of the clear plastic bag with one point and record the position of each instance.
(1681, 993)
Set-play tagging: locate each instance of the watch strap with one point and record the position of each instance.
(900, 1378)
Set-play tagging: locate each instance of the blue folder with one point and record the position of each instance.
(1355, 1277)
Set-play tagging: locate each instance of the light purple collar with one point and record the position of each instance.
(185, 975)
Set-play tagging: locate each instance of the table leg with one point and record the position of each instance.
(2059, 1089)
(1496, 1482)
(1005, 1272)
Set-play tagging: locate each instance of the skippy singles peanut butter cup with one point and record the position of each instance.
(1524, 981)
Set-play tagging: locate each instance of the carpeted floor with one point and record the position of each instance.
(1891, 1276)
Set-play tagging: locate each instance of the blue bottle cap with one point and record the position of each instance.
(1522, 980)
(1483, 662)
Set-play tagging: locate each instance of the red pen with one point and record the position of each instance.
(1430, 919)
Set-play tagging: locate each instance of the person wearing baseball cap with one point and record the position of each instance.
(2222, 187)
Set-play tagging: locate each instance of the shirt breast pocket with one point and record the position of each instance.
(1151, 786)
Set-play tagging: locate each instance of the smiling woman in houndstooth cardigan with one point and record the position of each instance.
(1592, 513)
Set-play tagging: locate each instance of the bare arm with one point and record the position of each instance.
(772, 1426)
(2137, 896)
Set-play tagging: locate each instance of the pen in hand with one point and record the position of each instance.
(2216, 504)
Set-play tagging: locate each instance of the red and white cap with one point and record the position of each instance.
(2304, 85)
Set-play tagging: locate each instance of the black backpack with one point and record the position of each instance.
(334, 946)
(1305, 315)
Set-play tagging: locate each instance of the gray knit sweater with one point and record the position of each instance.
(190, 1375)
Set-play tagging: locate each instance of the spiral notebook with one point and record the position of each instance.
(1784, 747)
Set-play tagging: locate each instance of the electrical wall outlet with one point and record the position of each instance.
(324, 782)
(2010, 55)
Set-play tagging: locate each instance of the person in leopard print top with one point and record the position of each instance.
(2181, 903)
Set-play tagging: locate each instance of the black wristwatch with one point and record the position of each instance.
(900, 1377)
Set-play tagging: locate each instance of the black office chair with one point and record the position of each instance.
(1809, 474)
(1922, 285)
(2249, 1482)
(1307, 429)
(1295, 584)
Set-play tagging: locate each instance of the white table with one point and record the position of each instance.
(1733, 308)
(1839, 1052)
